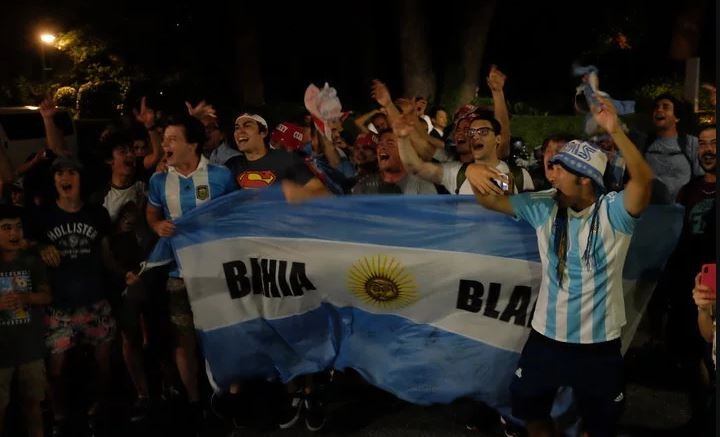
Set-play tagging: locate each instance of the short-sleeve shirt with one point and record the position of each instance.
(117, 197)
(221, 154)
(673, 168)
(588, 306)
(79, 280)
(22, 332)
(276, 165)
(451, 169)
(177, 194)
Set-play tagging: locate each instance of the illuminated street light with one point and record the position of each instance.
(47, 38)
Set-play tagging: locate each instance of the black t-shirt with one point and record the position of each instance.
(697, 243)
(22, 332)
(275, 166)
(79, 280)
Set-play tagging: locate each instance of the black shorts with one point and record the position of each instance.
(593, 371)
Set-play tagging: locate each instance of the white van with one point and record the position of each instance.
(22, 132)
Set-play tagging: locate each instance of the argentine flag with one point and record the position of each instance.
(428, 297)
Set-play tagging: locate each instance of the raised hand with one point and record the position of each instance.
(202, 111)
(605, 115)
(713, 93)
(402, 128)
(47, 108)
(703, 295)
(146, 116)
(380, 93)
(496, 79)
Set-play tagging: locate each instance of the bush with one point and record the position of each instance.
(66, 97)
(99, 99)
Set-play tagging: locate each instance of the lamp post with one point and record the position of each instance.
(45, 39)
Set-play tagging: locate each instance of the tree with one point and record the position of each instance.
(461, 80)
(418, 75)
(248, 86)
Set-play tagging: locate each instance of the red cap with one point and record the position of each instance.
(366, 139)
(288, 136)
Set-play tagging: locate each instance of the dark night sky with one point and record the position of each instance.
(534, 43)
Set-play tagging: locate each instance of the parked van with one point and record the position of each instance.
(22, 132)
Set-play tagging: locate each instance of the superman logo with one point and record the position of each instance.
(256, 179)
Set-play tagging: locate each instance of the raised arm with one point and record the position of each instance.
(639, 188)
(496, 82)
(146, 116)
(55, 138)
(361, 121)
(411, 161)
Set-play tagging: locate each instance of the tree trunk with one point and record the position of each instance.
(686, 32)
(418, 76)
(462, 81)
(247, 82)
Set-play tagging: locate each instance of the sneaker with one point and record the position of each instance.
(291, 410)
(314, 413)
(140, 409)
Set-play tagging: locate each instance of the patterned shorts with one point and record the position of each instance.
(93, 324)
(179, 304)
(31, 382)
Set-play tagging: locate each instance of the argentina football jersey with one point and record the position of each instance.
(584, 304)
(177, 194)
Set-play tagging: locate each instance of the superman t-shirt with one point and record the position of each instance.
(275, 166)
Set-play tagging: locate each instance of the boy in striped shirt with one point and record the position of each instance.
(189, 182)
(583, 238)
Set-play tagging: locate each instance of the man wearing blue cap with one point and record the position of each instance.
(583, 236)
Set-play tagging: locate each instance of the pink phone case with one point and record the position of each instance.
(707, 276)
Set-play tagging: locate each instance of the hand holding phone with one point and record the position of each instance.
(707, 277)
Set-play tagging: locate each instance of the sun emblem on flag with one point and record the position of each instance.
(382, 281)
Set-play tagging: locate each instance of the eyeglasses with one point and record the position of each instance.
(481, 131)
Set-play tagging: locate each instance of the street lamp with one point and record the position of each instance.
(45, 39)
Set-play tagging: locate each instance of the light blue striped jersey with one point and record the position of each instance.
(177, 194)
(588, 306)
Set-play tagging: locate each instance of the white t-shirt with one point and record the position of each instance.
(116, 198)
(451, 170)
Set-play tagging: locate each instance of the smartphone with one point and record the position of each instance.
(503, 183)
(707, 276)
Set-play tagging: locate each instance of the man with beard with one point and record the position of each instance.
(695, 248)
(670, 151)
(392, 177)
(583, 237)
(484, 137)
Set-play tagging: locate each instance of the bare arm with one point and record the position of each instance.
(496, 82)
(639, 188)
(42, 296)
(361, 121)
(53, 134)
(486, 192)
(296, 193)
(411, 161)
(156, 152)
(157, 222)
(146, 117)
(329, 151)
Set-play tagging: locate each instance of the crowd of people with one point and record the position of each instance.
(71, 253)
